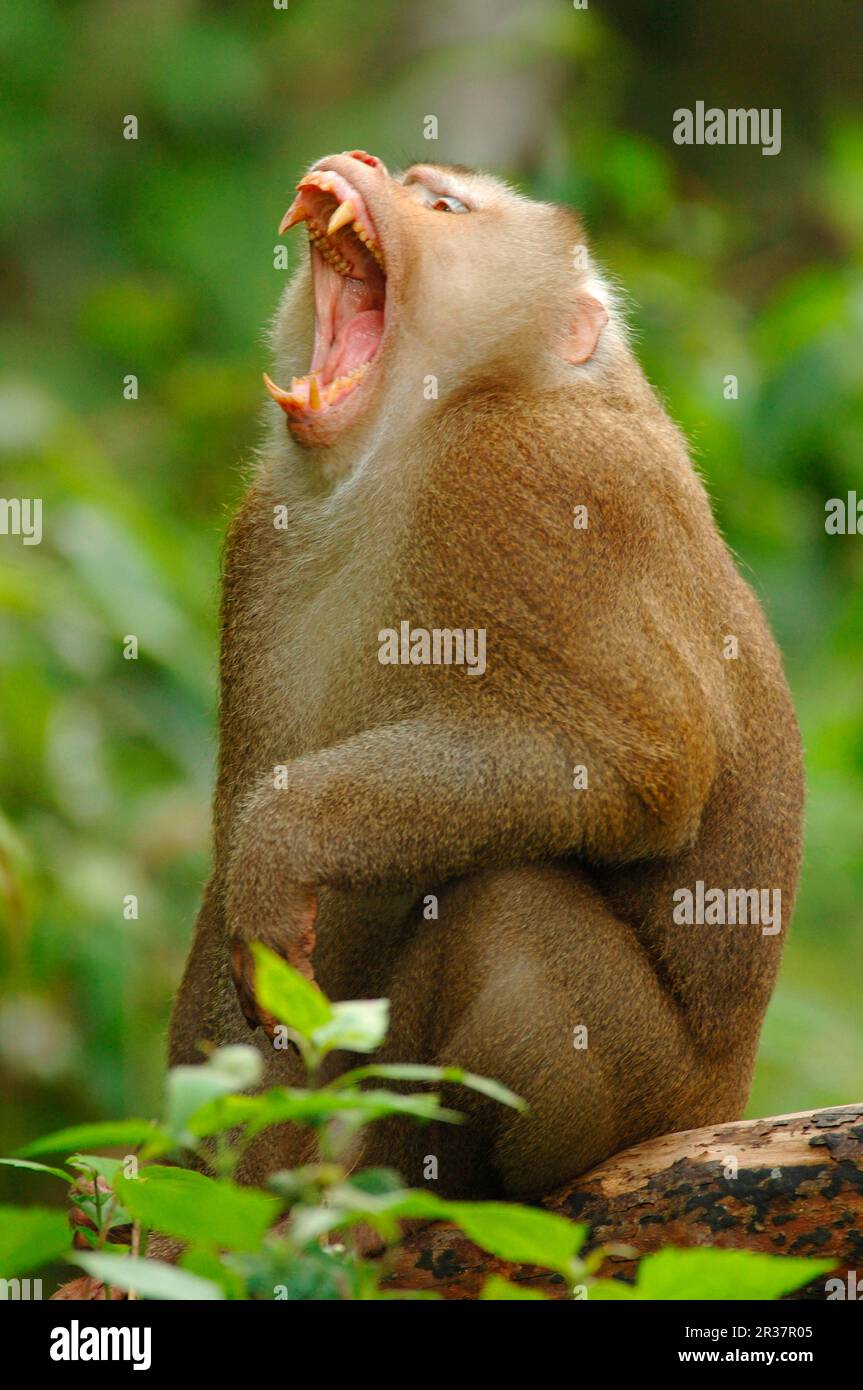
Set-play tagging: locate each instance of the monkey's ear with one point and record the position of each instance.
(588, 322)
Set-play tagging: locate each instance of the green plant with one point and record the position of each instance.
(298, 1238)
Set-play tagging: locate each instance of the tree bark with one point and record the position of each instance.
(788, 1185)
(791, 1184)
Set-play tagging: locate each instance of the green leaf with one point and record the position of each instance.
(283, 1104)
(288, 995)
(406, 1071)
(496, 1289)
(315, 1275)
(374, 1105)
(226, 1112)
(239, 1065)
(724, 1274)
(309, 1223)
(212, 1213)
(110, 1134)
(107, 1168)
(358, 1025)
(30, 1237)
(36, 1167)
(92, 1238)
(149, 1278)
(521, 1234)
(376, 1182)
(304, 1184)
(118, 1216)
(207, 1265)
(189, 1088)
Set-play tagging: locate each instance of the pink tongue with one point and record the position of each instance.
(356, 343)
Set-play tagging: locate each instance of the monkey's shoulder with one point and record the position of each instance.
(616, 468)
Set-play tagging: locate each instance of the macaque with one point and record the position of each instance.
(463, 454)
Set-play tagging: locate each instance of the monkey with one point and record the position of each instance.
(469, 446)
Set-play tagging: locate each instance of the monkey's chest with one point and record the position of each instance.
(301, 669)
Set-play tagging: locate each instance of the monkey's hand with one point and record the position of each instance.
(293, 938)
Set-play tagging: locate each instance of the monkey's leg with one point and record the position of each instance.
(529, 979)
(207, 1011)
(194, 1019)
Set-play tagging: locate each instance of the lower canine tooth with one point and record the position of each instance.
(314, 393)
(283, 398)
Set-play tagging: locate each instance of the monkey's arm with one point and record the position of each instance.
(428, 799)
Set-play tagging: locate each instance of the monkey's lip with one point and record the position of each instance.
(349, 279)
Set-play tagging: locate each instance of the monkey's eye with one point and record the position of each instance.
(447, 203)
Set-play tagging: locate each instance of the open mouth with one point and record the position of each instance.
(349, 280)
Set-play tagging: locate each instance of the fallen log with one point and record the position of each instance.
(791, 1184)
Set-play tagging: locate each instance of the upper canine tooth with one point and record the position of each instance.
(345, 212)
(295, 213)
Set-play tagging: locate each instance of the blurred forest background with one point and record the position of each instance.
(155, 257)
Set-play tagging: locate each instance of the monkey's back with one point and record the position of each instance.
(636, 622)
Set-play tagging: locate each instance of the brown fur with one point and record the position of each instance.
(604, 649)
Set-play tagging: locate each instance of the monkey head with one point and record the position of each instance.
(436, 277)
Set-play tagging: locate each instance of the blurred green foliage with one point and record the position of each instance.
(155, 257)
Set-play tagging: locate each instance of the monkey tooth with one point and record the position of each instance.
(295, 213)
(345, 212)
(283, 398)
(326, 248)
(369, 241)
(349, 282)
(307, 393)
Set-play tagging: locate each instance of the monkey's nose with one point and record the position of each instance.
(370, 159)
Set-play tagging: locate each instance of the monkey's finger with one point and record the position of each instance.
(242, 971)
(269, 1024)
(304, 937)
(241, 974)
